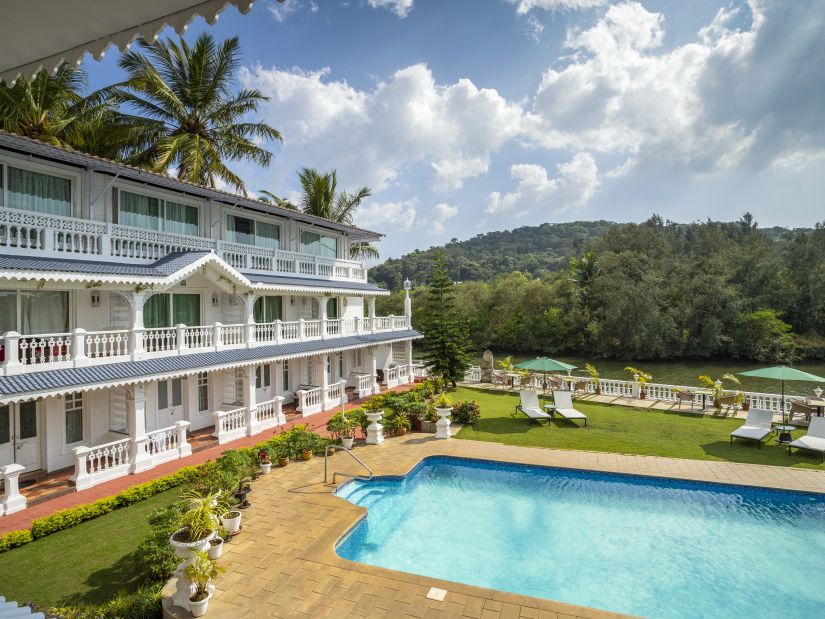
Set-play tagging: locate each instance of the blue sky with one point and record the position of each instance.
(466, 116)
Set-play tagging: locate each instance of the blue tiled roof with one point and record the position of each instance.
(280, 280)
(37, 382)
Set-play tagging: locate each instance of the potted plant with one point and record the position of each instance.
(231, 521)
(282, 452)
(594, 376)
(642, 378)
(443, 407)
(198, 523)
(717, 386)
(265, 460)
(201, 571)
(304, 445)
(215, 547)
(397, 423)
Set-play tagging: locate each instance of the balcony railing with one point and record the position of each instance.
(43, 235)
(20, 353)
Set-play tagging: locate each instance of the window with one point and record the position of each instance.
(319, 245)
(139, 211)
(358, 358)
(332, 308)
(203, 392)
(40, 311)
(267, 309)
(33, 191)
(252, 232)
(5, 424)
(285, 375)
(340, 357)
(74, 418)
(163, 393)
(263, 376)
(168, 310)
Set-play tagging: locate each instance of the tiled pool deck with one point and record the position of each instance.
(284, 564)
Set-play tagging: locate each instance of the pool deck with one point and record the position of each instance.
(284, 565)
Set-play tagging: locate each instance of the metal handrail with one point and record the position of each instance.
(356, 458)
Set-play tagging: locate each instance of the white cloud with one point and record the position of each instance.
(534, 27)
(281, 10)
(399, 7)
(525, 6)
(373, 136)
(575, 185)
(387, 215)
(440, 213)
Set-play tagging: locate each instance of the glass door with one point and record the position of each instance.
(170, 402)
(19, 435)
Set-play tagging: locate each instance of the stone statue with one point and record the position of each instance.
(487, 367)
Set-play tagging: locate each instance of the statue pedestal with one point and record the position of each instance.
(442, 426)
(375, 431)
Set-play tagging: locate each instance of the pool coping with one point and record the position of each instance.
(334, 517)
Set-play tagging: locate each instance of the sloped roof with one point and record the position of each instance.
(42, 34)
(41, 384)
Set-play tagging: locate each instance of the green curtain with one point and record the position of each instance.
(139, 211)
(8, 311)
(332, 308)
(32, 191)
(318, 245)
(186, 309)
(267, 235)
(74, 418)
(5, 424)
(240, 230)
(156, 312)
(267, 309)
(181, 219)
(44, 312)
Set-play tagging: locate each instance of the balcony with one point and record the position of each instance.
(80, 348)
(52, 236)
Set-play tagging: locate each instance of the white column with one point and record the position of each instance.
(12, 343)
(12, 501)
(374, 370)
(81, 478)
(371, 303)
(249, 300)
(408, 308)
(278, 403)
(322, 361)
(136, 408)
(249, 397)
(411, 377)
(136, 302)
(184, 448)
(79, 344)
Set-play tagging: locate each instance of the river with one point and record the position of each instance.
(686, 372)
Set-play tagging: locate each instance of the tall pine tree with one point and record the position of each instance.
(445, 334)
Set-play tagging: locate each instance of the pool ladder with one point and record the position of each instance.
(352, 455)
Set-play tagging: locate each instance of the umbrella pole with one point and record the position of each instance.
(783, 401)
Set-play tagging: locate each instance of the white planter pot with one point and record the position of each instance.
(233, 525)
(215, 550)
(198, 609)
(265, 468)
(442, 426)
(347, 441)
(375, 431)
(185, 549)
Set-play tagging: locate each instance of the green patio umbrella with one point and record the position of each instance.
(544, 365)
(783, 373)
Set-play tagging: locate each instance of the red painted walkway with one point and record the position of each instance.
(23, 519)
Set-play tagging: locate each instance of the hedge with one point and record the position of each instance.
(66, 518)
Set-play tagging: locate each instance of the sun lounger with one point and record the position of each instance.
(564, 406)
(814, 440)
(530, 406)
(757, 427)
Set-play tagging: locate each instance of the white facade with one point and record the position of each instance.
(107, 273)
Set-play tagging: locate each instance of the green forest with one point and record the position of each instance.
(655, 290)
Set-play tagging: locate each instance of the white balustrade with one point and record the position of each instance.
(266, 332)
(161, 339)
(233, 335)
(391, 377)
(310, 401)
(48, 348)
(290, 330)
(162, 445)
(382, 323)
(199, 337)
(333, 395)
(268, 415)
(399, 323)
(101, 463)
(28, 232)
(332, 327)
(472, 374)
(312, 329)
(229, 424)
(106, 344)
(364, 384)
(140, 244)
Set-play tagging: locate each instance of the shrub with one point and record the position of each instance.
(466, 412)
(142, 604)
(397, 421)
(154, 553)
(13, 539)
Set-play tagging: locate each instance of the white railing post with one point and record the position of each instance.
(181, 337)
(217, 335)
(301, 394)
(184, 448)
(324, 326)
(79, 344)
(637, 388)
(12, 350)
(277, 334)
(301, 332)
(81, 478)
(278, 404)
(13, 501)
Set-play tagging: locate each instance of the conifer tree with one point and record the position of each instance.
(445, 334)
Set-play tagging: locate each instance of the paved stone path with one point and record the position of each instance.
(284, 564)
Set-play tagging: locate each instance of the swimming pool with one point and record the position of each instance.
(659, 548)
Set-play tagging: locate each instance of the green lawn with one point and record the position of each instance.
(620, 429)
(88, 563)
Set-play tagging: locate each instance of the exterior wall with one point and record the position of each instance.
(383, 356)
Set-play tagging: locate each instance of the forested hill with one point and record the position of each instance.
(532, 249)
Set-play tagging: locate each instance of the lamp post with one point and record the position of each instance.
(408, 302)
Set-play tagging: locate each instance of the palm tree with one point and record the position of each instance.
(52, 109)
(195, 122)
(322, 199)
(267, 197)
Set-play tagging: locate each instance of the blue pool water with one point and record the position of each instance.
(658, 548)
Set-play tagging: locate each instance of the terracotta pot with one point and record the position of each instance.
(598, 390)
(402, 431)
(306, 455)
(642, 395)
(283, 461)
(746, 406)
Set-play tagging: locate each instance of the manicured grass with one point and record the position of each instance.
(88, 563)
(625, 430)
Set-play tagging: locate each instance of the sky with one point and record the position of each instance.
(467, 116)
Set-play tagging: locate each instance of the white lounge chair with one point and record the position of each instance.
(814, 440)
(564, 406)
(530, 406)
(757, 427)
